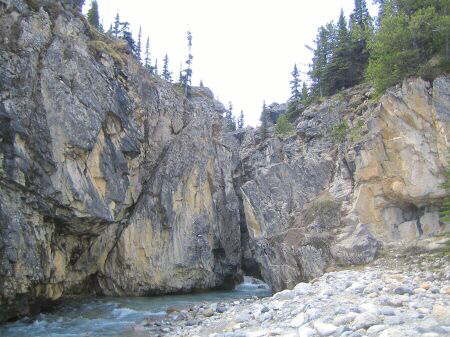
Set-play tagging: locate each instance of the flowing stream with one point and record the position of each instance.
(114, 316)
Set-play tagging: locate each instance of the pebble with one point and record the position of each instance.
(365, 320)
(306, 331)
(384, 299)
(325, 329)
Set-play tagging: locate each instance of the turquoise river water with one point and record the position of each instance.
(114, 317)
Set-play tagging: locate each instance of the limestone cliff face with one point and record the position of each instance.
(111, 181)
(356, 175)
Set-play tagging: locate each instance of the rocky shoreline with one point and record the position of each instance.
(399, 295)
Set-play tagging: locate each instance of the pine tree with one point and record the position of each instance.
(187, 73)
(230, 122)
(360, 15)
(340, 64)
(240, 122)
(116, 27)
(166, 74)
(128, 37)
(201, 84)
(323, 53)
(139, 45)
(305, 94)
(147, 59)
(295, 84)
(264, 122)
(361, 32)
(93, 16)
(413, 39)
(155, 68)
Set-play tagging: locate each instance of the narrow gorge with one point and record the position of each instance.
(113, 183)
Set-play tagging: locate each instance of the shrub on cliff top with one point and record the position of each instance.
(283, 127)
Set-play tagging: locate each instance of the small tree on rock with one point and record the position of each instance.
(93, 16)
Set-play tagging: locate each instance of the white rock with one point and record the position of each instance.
(298, 320)
(313, 313)
(303, 289)
(284, 295)
(306, 331)
(325, 329)
(344, 319)
(395, 332)
(375, 329)
(369, 307)
(365, 320)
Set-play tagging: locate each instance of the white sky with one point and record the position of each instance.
(244, 50)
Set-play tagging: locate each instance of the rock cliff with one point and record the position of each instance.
(357, 174)
(113, 183)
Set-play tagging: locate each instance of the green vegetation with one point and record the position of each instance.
(413, 39)
(229, 119)
(240, 122)
(409, 37)
(93, 16)
(339, 131)
(264, 121)
(324, 209)
(114, 49)
(356, 132)
(283, 127)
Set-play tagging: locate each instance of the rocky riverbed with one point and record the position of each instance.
(398, 295)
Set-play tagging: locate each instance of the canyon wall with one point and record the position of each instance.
(112, 182)
(355, 175)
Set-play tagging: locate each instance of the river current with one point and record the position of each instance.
(116, 317)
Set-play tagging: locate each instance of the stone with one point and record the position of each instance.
(403, 290)
(365, 320)
(306, 331)
(298, 320)
(284, 295)
(208, 312)
(441, 313)
(408, 231)
(303, 289)
(325, 329)
(243, 317)
(376, 329)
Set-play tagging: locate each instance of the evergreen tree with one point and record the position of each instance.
(116, 27)
(360, 15)
(93, 16)
(166, 74)
(283, 127)
(264, 121)
(139, 45)
(229, 120)
(413, 39)
(305, 94)
(295, 84)
(186, 78)
(147, 59)
(201, 84)
(323, 52)
(361, 32)
(240, 122)
(340, 65)
(128, 37)
(155, 68)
